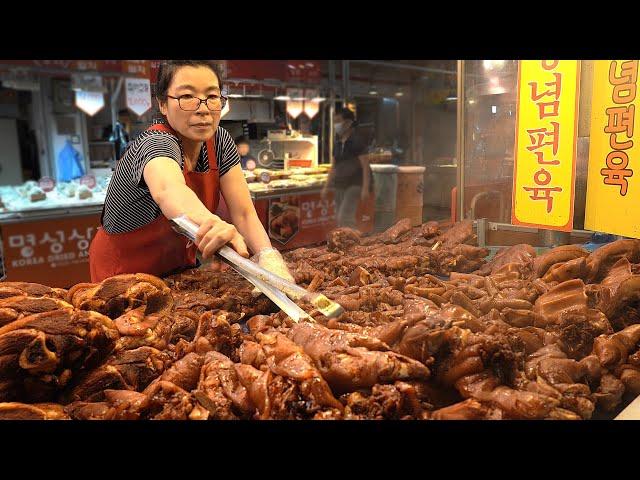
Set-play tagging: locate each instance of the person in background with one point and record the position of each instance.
(247, 161)
(120, 135)
(350, 175)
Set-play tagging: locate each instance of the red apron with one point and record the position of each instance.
(154, 248)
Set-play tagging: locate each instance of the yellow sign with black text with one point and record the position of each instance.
(613, 185)
(545, 148)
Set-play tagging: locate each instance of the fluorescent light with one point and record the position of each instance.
(399, 94)
(234, 95)
(451, 99)
(282, 97)
(318, 99)
(373, 92)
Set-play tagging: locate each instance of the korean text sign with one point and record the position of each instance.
(545, 147)
(613, 186)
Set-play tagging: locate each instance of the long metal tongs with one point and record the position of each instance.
(279, 290)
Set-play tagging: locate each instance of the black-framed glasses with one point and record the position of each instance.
(190, 103)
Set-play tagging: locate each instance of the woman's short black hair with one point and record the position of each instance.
(241, 139)
(168, 69)
(346, 114)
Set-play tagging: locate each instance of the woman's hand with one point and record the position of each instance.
(270, 259)
(214, 233)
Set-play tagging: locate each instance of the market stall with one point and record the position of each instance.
(515, 308)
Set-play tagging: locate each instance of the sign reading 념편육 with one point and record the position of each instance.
(545, 147)
(613, 187)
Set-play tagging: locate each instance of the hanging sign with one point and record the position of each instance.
(613, 186)
(89, 102)
(545, 147)
(138, 95)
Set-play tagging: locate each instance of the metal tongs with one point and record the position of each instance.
(280, 291)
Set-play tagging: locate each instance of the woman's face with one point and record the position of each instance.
(200, 82)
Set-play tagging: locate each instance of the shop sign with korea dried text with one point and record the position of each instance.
(613, 186)
(545, 148)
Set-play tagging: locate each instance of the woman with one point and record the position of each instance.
(178, 166)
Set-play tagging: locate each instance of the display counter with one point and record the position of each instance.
(49, 246)
(46, 234)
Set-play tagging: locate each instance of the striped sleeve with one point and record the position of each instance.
(227, 153)
(152, 146)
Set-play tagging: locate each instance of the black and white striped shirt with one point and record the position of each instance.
(128, 203)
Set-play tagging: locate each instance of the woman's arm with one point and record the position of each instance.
(169, 190)
(243, 213)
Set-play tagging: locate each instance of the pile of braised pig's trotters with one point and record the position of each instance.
(520, 337)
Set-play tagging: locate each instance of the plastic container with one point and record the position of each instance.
(385, 183)
(409, 197)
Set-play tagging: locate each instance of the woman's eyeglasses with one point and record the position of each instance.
(190, 103)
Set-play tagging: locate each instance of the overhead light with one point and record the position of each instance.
(310, 65)
(234, 95)
(292, 67)
(471, 102)
(399, 94)
(282, 97)
(294, 108)
(311, 109)
(451, 99)
(494, 109)
(373, 91)
(318, 99)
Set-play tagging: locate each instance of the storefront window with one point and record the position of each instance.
(489, 135)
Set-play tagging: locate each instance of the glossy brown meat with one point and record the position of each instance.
(38, 411)
(45, 351)
(461, 232)
(521, 254)
(515, 404)
(563, 253)
(349, 361)
(14, 308)
(16, 289)
(385, 402)
(342, 239)
(220, 391)
(567, 297)
(119, 294)
(603, 258)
